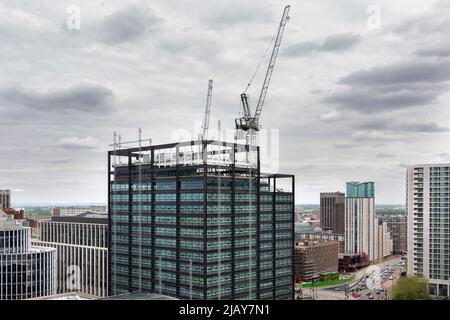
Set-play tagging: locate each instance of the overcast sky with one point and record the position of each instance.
(353, 99)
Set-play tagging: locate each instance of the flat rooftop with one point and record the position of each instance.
(140, 296)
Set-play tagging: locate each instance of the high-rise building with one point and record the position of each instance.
(5, 199)
(26, 271)
(428, 214)
(198, 220)
(398, 228)
(81, 243)
(384, 240)
(332, 211)
(361, 225)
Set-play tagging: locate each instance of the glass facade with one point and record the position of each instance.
(199, 231)
(360, 190)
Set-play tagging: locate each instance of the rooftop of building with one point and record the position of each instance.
(140, 296)
(315, 243)
(68, 296)
(429, 165)
(189, 153)
(85, 217)
(7, 223)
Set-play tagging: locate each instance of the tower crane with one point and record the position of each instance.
(249, 121)
(205, 124)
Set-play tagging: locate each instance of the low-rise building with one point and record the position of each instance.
(352, 262)
(26, 271)
(77, 210)
(81, 242)
(313, 258)
(322, 236)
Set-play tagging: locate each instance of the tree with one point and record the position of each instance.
(411, 288)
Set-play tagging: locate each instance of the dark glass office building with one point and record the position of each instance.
(198, 220)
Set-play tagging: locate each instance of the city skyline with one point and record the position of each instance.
(136, 64)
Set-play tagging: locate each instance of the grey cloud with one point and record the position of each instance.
(400, 124)
(301, 49)
(235, 12)
(340, 42)
(428, 127)
(78, 143)
(127, 24)
(344, 144)
(393, 87)
(372, 101)
(334, 43)
(89, 98)
(385, 155)
(374, 135)
(435, 21)
(442, 51)
(416, 71)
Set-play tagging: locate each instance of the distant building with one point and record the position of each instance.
(352, 262)
(5, 199)
(15, 214)
(313, 258)
(332, 211)
(384, 240)
(361, 225)
(428, 212)
(76, 210)
(322, 236)
(26, 271)
(81, 242)
(398, 228)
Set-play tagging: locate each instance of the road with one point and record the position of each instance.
(338, 292)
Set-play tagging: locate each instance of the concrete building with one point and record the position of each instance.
(384, 240)
(322, 236)
(398, 228)
(77, 210)
(428, 214)
(332, 211)
(313, 258)
(361, 225)
(198, 220)
(352, 262)
(26, 271)
(5, 199)
(81, 243)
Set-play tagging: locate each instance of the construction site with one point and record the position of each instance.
(198, 219)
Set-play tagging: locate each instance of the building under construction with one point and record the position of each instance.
(198, 220)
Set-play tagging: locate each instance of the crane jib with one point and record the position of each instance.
(248, 122)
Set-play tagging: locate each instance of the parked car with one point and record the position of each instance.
(391, 278)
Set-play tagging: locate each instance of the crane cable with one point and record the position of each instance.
(261, 62)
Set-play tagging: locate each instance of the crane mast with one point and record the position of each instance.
(249, 122)
(205, 124)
